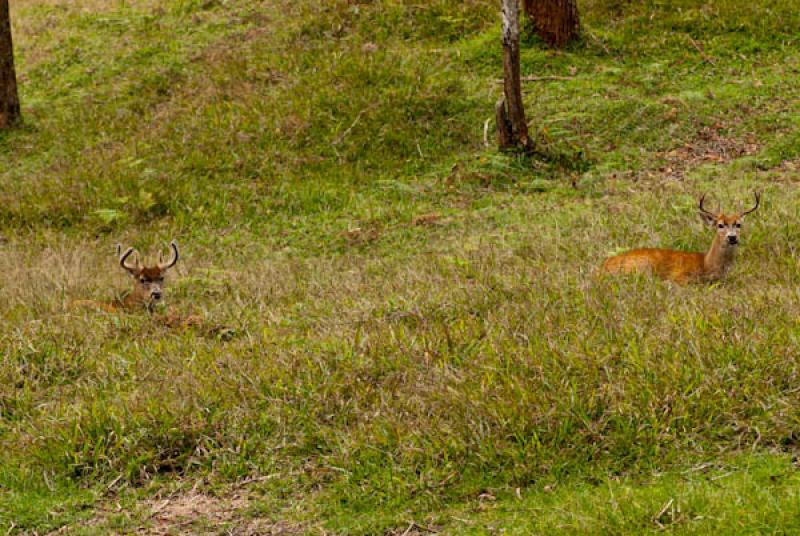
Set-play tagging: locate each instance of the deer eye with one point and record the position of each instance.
(142, 280)
(721, 225)
(738, 225)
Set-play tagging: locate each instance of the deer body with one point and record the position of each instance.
(682, 266)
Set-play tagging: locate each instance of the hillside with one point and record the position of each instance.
(402, 328)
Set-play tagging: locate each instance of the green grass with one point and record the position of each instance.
(746, 493)
(755, 494)
(411, 319)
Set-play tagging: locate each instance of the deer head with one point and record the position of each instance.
(726, 226)
(148, 289)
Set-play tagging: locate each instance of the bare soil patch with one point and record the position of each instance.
(199, 513)
(710, 146)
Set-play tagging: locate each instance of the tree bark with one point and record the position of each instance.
(556, 21)
(9, 99)
(512, 129)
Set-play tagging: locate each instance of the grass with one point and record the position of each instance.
(413, 328)
(754, 494)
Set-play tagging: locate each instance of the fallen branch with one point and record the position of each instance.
(540, 78)
(254, 479)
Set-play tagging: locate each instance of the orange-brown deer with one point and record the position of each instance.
(148, 286)
(682, 266)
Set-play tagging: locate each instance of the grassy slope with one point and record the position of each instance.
(384, 370)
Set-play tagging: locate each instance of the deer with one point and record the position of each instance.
(148, 283)
(687, 267)
(148, 291)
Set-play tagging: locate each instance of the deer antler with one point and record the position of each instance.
(123, 261)
(703, 210)
(174, 259)
(758, 202)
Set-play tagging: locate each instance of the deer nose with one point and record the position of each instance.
(156, 294)
(733, 240)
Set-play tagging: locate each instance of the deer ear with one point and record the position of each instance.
(708, 219)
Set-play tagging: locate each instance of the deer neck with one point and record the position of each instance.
(719, 258)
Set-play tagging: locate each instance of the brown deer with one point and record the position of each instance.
(148, 286)
(682, 266)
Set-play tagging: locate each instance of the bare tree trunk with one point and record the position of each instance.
(512, 129)
(9, 100)
(556, 21)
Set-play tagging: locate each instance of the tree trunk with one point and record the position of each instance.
(556, 21)
(512, 129)
(9, 100)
